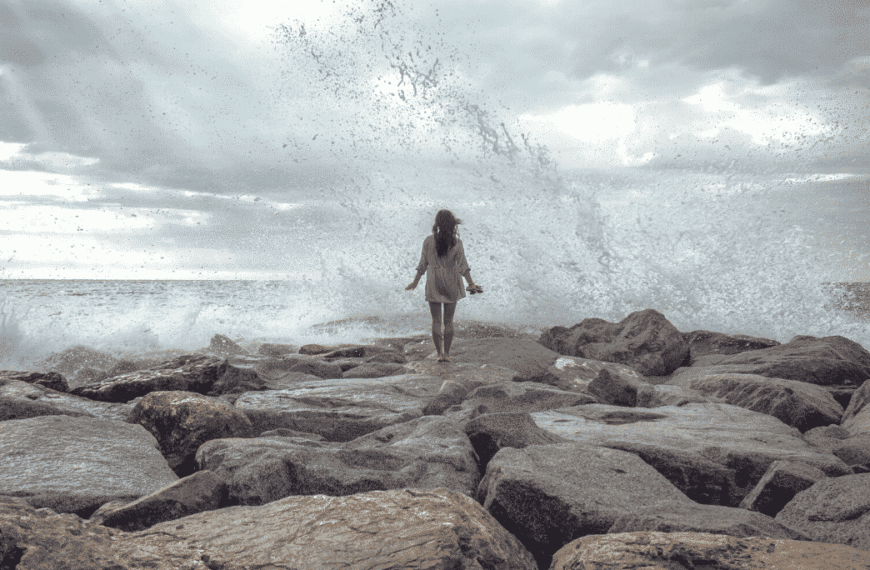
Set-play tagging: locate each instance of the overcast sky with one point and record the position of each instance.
(126, 128)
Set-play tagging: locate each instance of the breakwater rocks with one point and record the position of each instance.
(603, 445)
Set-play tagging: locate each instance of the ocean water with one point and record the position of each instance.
(709, 240)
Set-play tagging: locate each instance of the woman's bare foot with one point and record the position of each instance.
(446, 358)
(441, 358)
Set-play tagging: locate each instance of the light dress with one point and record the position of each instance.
(443, 274)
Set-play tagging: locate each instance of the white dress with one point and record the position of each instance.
(443, 274)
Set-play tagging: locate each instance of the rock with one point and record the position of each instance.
(237, 380)
(490, 433)
(425, 453)
(743, 443)
(574, 374)
(375, 370)
(834, 510)
(75, 464)
(182, 421)
(794, 403)
(854, 451)
(71, 360)
(666, 395)
(549, 495)
(856, 419)
(271, 349)
(827, 361)
(224, 346)
(825, 439)
(686, 516)
(51, 380)
(202, 491)
(616, 390)
(644, 340)
(527, 357)
(450, 394)
(340, 410)
(19, 400)
(312, 366)
(33, 539)
(467, 374)
(516, 397)
(190, 373)
(437, 529)
(667, 551)
(782, 481)
(705, 343)
(315, 349)
(284, 432)
(388, 356)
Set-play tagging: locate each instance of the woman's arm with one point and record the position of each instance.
(468, 278)
(416, 280)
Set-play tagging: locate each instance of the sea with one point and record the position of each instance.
(716, 240)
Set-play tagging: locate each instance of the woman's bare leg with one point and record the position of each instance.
(449, 311)
(435, 309)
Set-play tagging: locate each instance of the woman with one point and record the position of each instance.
(444, 257)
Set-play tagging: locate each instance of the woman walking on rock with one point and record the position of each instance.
(444, 258)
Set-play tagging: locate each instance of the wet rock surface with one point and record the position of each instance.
(514, 455)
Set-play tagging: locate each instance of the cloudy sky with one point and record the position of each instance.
(171, 139)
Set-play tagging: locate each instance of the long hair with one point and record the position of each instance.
(444, 231)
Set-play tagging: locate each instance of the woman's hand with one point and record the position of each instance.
(412, 286)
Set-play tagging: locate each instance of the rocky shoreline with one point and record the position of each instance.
(602, 445)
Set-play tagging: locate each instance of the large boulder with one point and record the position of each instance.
(715, 345)
(202, 374)
(340, 410)
(834, 510)
(687, 516)
(739, 443)
(783, 480)
(51, 380)
(202, 491)
(644, 340)
(549, 495)
(794, 403)
(828, 361)
(182, 421)
(428, 452)
(490, 433)
(666, 551)
(75, 464)
(409, 528)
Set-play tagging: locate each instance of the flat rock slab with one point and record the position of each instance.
(827, 361)
(549, 495)
(644, 340)
(527, 357)
(739, 440)
(683, 516)
(75, 464)
(21, 400)
(834, 510)
(411, 528)
(516, 397)
(798, 404)
(669, 551)
(427, 452)
(202, 374)
(340, 409)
